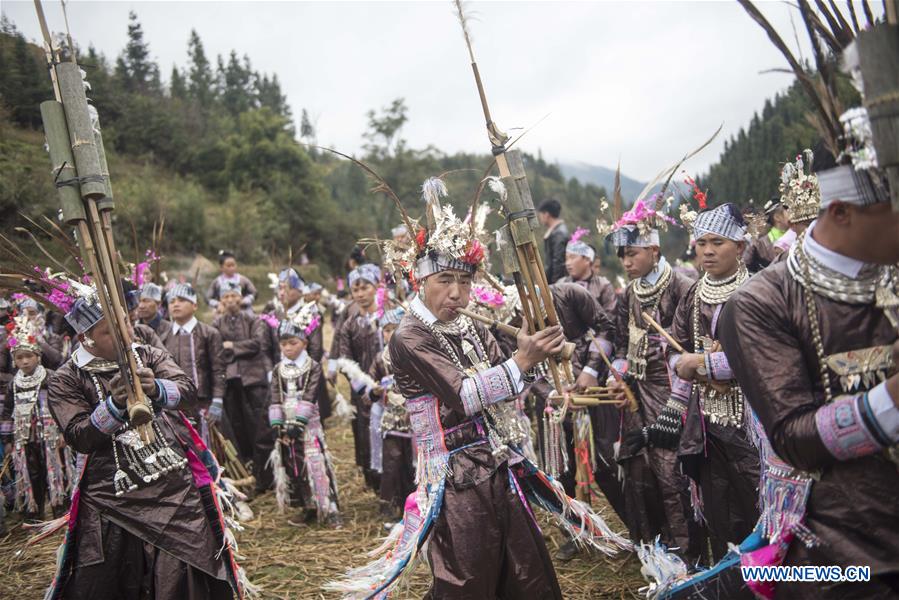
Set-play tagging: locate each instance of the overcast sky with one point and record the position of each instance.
(643, 81)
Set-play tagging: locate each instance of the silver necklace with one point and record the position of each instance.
(27, 382)
(649, 294)
(503, 428)
(723, 408)
(829, 283)
(717, 291)
(649, 297)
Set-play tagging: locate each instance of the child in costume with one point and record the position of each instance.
(43, 465)
(397, 458)
(304, 476)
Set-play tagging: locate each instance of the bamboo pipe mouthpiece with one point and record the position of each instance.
(141, 417)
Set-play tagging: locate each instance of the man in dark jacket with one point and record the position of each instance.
(554, 240)
(246, 376)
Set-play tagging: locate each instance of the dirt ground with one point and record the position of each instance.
(291, 562)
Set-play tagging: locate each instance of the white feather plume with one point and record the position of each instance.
(497, 186)
(354, 372)
(282, 485)
(660, 568)
(342, 408)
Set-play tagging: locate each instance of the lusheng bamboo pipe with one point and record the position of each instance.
(530, 265)
(671, 341)
(628, 392)
(94, 236)
(567, 349)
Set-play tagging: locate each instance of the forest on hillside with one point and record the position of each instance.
(215, 150)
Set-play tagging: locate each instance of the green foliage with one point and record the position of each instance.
(215, 155)
(23, 81)
(749, 167)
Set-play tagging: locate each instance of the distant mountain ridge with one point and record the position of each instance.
(603, 177)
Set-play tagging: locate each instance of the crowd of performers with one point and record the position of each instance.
(762, 429)
(738, 407)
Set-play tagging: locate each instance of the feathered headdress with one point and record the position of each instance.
(639, 226)
(302, 323)
(800, 194)
(447, 243)
(725, 220)
(22, 334)
(492, 303)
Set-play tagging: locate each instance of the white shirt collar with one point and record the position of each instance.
(419, 308)
(188, 327)
(82, 357)
(834, 261)
(299, 362)
(653, 276)
(296, 307)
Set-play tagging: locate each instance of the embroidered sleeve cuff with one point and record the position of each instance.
(845, 427)
(275, 415)
(491, 386)
(884, 412)
(590, 371)
(107, 417)
(680, 388)
(672, 360)
(169, 395)
(305, 410)
(601, 344)
(717, 367)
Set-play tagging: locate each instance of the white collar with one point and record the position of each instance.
(82, 357)
(235, 278)
(188, 327)
(834, 261)
(422, 311)
(296, 307)
(299, 362)
(653, 276)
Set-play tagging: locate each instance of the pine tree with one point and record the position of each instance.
(307, 129)
(134, 68)
(238, 94)
(268, 92)
(201, 84)
(177, 86)
(23, 77)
